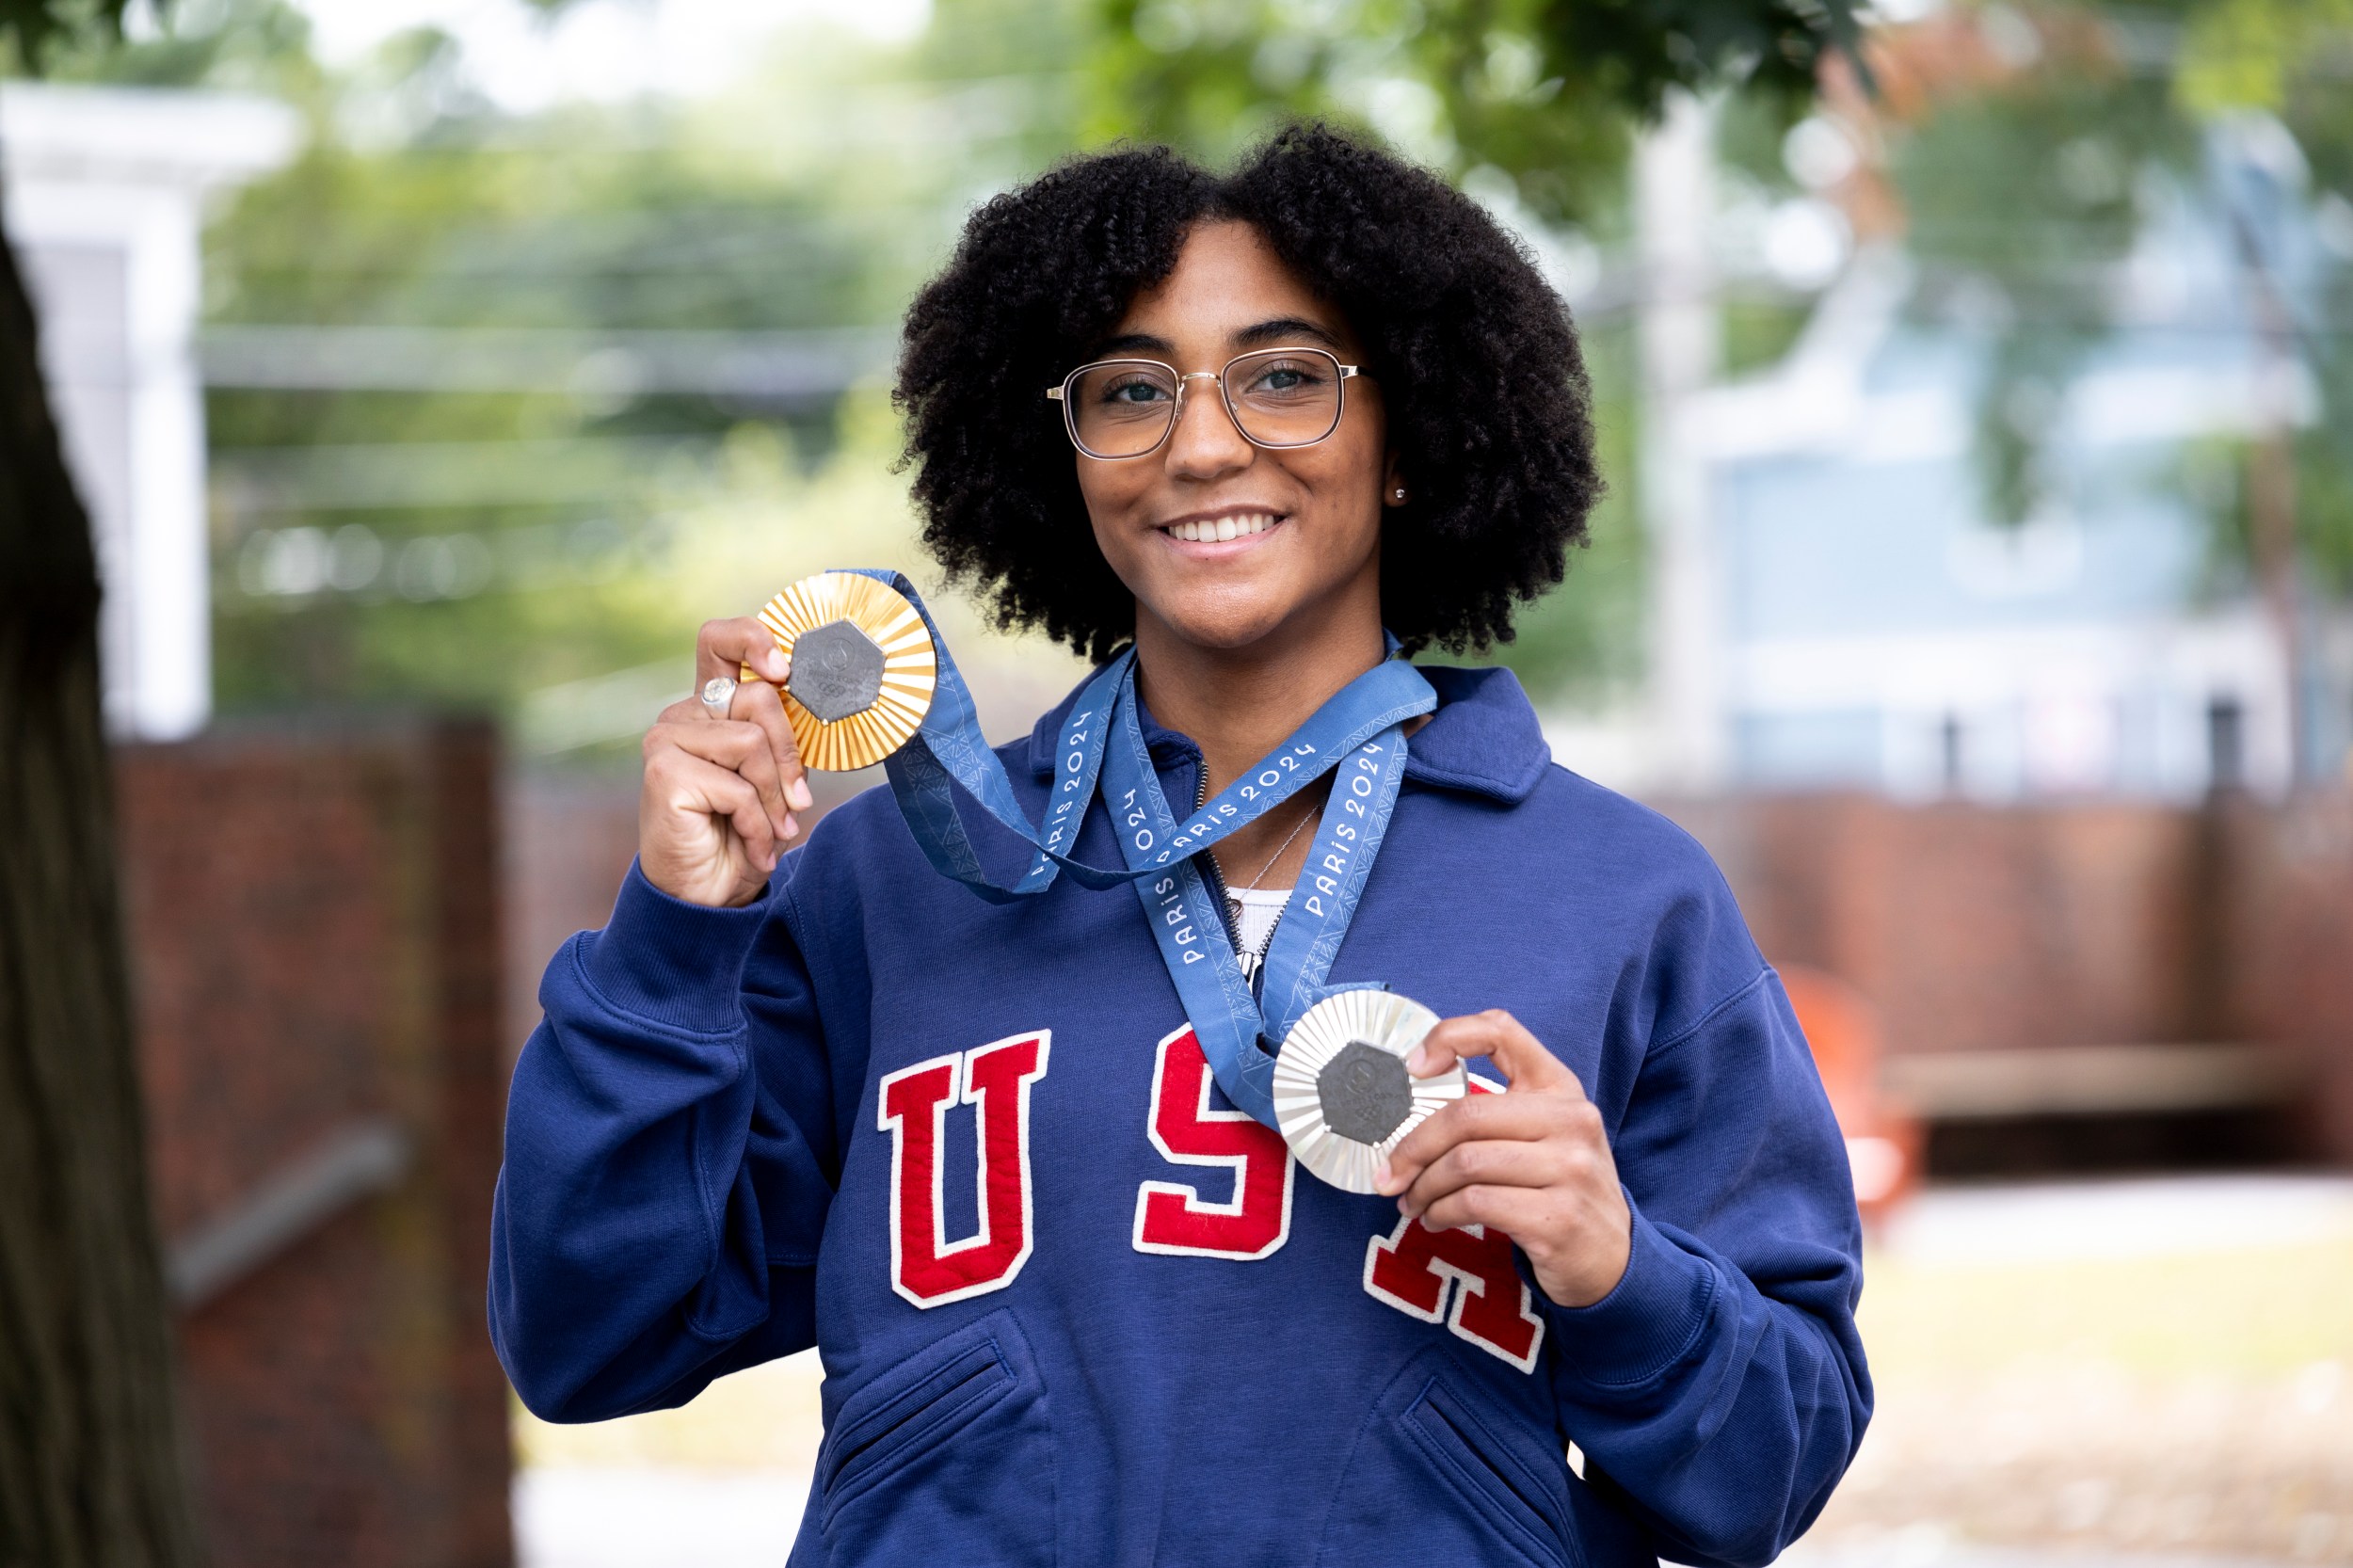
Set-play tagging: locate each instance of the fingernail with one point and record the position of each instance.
(1380, 1179)
(791, 825)
(778, 666)
(797, 792)
(1417, 1062)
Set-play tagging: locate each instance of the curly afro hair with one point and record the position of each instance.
(1489, 409)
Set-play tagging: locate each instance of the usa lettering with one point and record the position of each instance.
(1237, 1209)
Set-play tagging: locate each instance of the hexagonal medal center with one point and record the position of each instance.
(1365, 1093)
(836, 670)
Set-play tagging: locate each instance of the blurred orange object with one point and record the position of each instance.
(1883, 1140)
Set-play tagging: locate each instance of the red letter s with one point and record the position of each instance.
(1172, 1217)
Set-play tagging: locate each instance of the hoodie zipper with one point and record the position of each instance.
(1255, 975)
(1217, 873)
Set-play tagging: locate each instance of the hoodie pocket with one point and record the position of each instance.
(946, 1456)
(1438, 1474)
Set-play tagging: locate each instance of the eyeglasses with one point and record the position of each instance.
(1276, 397)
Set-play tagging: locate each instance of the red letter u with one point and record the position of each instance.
(925, 1267)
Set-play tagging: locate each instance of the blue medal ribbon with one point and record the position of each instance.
(1357, 736)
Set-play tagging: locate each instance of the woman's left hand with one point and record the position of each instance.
(1532, 1162)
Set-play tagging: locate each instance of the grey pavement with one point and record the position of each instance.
(1930, 1548)
(1975, 1226)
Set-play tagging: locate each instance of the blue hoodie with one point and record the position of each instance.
(1073, 1308)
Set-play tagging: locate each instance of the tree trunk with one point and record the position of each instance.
(90, 1473)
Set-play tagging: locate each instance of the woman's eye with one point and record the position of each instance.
(1135, 391)
(1283, 380)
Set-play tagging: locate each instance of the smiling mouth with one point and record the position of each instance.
(1232, 526)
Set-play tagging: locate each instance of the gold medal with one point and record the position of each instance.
(1342, 1097)
(863, 668)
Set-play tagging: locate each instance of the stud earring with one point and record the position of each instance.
(1400, 494)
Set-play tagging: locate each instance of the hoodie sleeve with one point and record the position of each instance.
(670, 1158)
(1720, 1388)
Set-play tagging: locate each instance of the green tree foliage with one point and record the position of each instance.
(2022, 203)
(543, 539)
(472, 546)
(492, 548)
(816, 196)
(1549, 91)
(32, 28)
(2294, 59)
(253, 44)
(2026, 195)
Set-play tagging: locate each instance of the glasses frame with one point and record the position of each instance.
(1061, 393)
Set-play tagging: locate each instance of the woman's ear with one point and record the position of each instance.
(1393, 489)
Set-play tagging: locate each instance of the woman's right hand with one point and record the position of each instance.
(717, 808)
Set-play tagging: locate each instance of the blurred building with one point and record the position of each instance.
(1874, 628)
(105, 190)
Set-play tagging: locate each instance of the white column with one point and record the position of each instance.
(105, 188)
(1680, 346)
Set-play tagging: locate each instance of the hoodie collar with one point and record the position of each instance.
(1483, 740)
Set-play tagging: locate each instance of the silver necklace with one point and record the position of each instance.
(1250, 957)
(1279, 854)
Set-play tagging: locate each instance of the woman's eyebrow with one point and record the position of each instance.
(1133, 343)
(1282, 328)
(1273, 331)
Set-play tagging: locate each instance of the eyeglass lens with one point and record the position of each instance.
(1278, 398)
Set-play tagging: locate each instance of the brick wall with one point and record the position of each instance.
(1976, 928)
(2284, 916)
(316, 937)
(1981, 928)
(570, 839)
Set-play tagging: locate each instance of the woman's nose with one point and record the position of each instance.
(1206, 442)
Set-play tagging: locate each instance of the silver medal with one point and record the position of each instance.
(1342, 1097)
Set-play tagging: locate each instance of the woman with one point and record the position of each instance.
(1073, 1306)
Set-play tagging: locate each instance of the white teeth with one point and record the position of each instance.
(1237, 525)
